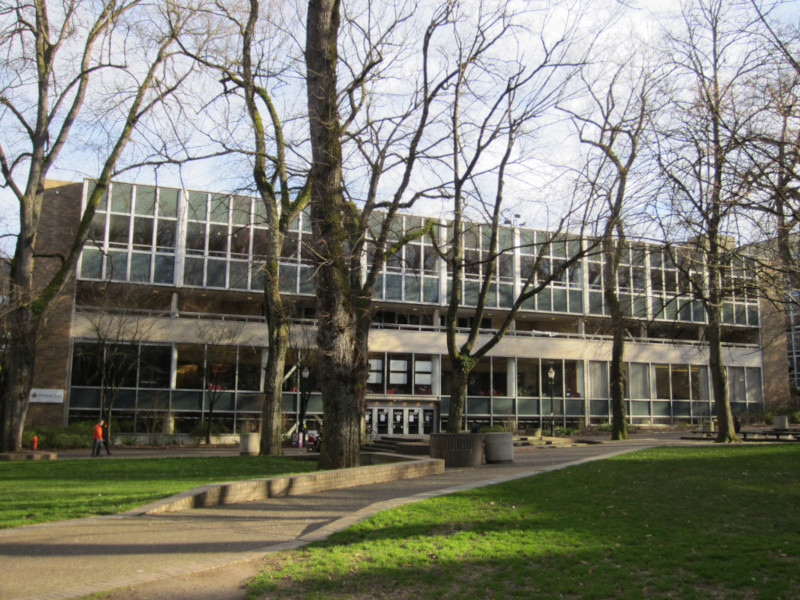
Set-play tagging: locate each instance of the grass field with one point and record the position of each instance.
(674, 523)
(40, 491)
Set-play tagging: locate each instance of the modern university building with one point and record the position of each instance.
(174, 276)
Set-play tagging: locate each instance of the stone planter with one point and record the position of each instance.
(499, 447)
(458, 449)
(249, 444)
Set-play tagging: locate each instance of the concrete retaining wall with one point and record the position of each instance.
(292, 485)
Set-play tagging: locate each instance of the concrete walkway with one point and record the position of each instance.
(71, 559)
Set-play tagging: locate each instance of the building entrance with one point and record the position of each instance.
(400, 420)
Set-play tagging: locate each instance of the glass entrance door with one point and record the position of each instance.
(400, 421)
(382, 420)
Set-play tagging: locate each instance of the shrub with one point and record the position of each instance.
(492, 429)
(795, 417)
(601, 428)
(198, 432)
(562, 431)
(74, 435)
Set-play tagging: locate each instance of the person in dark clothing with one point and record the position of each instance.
(105, 439)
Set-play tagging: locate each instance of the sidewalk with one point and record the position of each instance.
(71, 559)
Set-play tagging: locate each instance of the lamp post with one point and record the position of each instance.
(551, 375)
(303, 404)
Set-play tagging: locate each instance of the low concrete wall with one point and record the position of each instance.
(294, 485)
(28, 456)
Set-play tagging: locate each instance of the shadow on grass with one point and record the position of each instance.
(687, 523)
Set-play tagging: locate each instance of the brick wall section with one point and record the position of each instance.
(774, 355)
(291, 485)
(60, 216)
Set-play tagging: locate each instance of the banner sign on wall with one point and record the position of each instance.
(47, 396)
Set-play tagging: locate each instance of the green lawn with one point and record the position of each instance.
(679, 523)
(40, 491)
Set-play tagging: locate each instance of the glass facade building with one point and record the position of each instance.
(200, 254)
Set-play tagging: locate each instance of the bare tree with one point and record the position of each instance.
(353, 224)
(72, 69)
(495, 101)
(701, 157)
(773, 146)
(220, 341)
(613, 126)
(119, 321)
(254, 61)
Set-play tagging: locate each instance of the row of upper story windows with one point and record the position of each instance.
(198, 239)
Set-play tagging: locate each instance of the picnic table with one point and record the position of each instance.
(792, 434)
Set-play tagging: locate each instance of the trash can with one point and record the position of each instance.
(249, 444)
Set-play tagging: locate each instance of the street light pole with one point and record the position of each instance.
(551, 375)
(303, 403)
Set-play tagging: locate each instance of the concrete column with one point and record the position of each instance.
(511, 377)
(173, 368)
(173, 304)
(436, 374)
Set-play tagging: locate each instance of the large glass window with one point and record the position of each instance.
(189, 373)
(86, 361)
(598, 379)
(375, 375)
(638, 386)
(134, 230)
(399, 374)
(154, 366)
(528, 377)
(423, 374)
(662, 381)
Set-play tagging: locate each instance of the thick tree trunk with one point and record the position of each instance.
(611, 256)
(336, 336)
(17, 381)
(458, 398)
(619, 423)
(17, 375)
(360, 369)
(719, 377)
(273, 380)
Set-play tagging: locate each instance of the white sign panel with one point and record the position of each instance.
(47, 396)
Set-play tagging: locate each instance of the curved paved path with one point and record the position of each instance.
(74, 558)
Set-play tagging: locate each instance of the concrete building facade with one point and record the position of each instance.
(172, 278)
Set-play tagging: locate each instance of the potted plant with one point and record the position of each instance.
(498, 444)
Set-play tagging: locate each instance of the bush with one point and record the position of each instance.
(198, 432)
(795, 417)
(562, 431)
(493, 429)
(602, 428)
(74, 435)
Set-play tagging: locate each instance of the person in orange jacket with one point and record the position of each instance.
(97, 438)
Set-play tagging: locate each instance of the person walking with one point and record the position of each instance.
(97, 438)
(106, 438)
